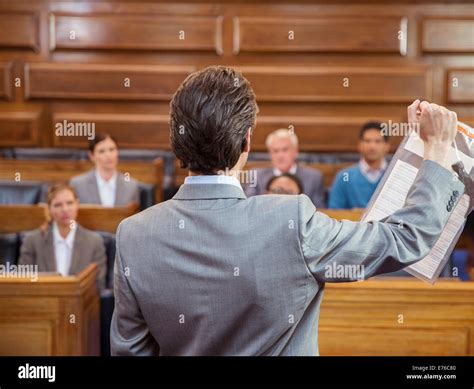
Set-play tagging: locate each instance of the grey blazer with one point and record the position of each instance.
(312, 180)
(38, 249)
(211, 272)
(86, 187)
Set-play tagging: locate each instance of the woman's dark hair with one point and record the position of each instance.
(210, 115)
(292, 177)
(99, 137)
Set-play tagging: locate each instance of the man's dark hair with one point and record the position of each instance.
(99, 137)
(210, 115)
(373, 126)
(292, 177)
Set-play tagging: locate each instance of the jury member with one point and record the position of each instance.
(62, 245)
(282, 146)
(212, 272)
(354, 186)
(105, 185)
(285, 184)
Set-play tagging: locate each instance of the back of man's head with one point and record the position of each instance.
(210, 115)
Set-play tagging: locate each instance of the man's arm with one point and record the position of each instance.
(129, 334)
(332, 248)
(381, 246)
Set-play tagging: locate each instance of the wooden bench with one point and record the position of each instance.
(50, 171)
(17, 218)
(397, 317)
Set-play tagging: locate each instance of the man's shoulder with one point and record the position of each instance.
(143, 218)
(308, 171)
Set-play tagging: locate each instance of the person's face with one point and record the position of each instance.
(372, 146)
(64, 207)
(282, 153)
(105, 155)
(284, 185)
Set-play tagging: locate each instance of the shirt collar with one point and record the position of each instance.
(372, 174)
(213, 179)
(69, 240)
(293, 169)
(101, 182)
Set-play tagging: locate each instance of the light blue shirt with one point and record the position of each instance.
(214, 179)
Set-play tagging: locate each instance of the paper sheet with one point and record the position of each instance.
(392, 195)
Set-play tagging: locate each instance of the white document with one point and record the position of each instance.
(391, 197)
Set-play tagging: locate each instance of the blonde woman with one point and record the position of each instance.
(61, 245)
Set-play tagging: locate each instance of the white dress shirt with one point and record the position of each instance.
(63, 250)
(372, 174)
(278, 172)
(214, 179)
(107, 189)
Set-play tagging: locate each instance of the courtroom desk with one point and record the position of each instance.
(18, 218)
(53, 315)
(397, 316)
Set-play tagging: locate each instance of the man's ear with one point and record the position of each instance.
(248, 136)
(91, 156)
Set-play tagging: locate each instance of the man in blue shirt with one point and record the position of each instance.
(353, 187)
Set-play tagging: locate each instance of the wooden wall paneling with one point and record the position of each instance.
(136, 32)
(447, 34)
(6, 87)
(19, 128)
(460, 85)
(19, 30)
(318, 133)
(103, 81)
(339, 84)
(140, 130)
(361, 34)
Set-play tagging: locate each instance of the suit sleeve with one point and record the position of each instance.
(337, 196)
(378, 247)
(129, 334)
(27, 252)
(318, 194)
(100, 258)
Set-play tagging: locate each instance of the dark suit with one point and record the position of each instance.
(38, 249)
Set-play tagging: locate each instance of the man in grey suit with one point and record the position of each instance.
(211, 272)
(282, 145)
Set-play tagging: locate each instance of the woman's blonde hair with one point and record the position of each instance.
(53, 190)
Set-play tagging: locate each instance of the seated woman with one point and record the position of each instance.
(61, 245)
(104, 185)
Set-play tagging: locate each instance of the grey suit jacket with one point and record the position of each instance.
(38, 249)
(312, 180)
(211, 272)
(86, 187)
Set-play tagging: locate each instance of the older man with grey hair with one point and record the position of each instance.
(282, 145)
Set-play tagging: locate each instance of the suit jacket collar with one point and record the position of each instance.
(50, 262)
(92, 187)
(208, 191)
